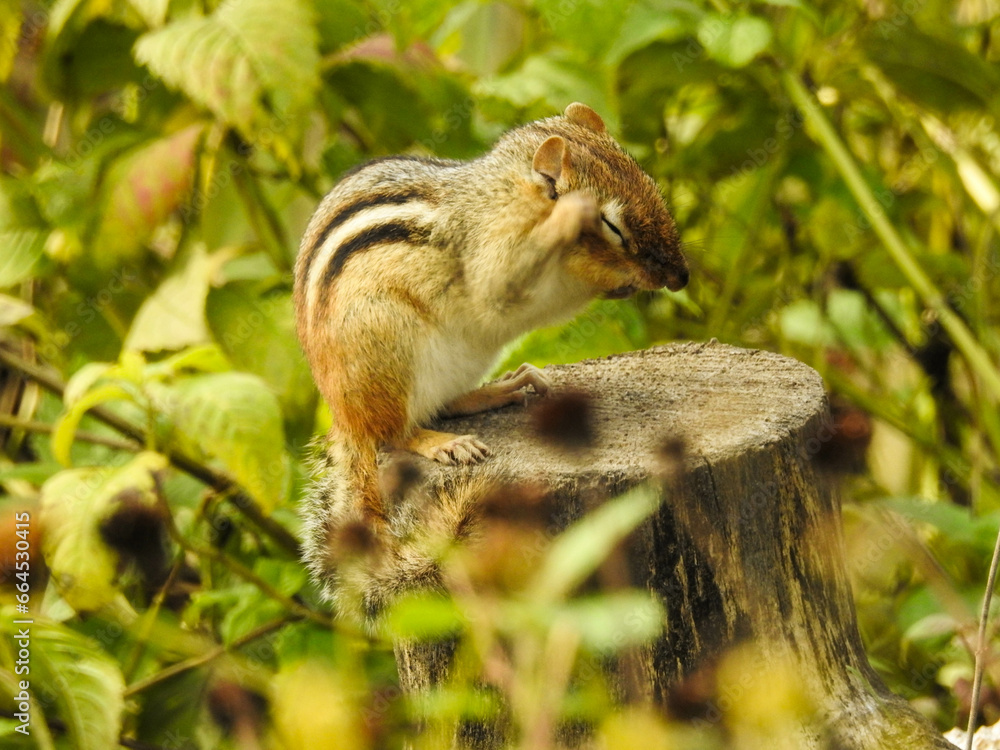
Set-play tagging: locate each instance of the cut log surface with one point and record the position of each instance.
(747, 546)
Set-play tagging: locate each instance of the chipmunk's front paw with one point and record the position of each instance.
(576, 213)
(525, 375)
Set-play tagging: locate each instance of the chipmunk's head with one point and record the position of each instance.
(635, 244)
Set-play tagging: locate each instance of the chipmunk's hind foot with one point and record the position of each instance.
(447, 448)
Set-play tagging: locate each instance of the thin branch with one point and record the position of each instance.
(217, 480)
(196, 661)
(984, 617)
(8, 420)
(238, 568)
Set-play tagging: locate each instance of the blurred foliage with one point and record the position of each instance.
(158, 161)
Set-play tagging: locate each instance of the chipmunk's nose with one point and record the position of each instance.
(678, 279)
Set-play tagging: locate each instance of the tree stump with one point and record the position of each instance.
(747, 546)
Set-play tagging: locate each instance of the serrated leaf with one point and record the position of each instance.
(235, 418)
(230, 61)
(146, 188)
(605, 327)
(85, 685)
(74, 504)
(577, 552)
(733, 40)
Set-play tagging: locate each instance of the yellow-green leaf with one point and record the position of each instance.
(235, 418)
(62, 436)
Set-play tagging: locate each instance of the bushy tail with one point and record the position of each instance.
(334, 505)
(363, 563)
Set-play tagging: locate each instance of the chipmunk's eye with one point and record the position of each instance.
(614, 229)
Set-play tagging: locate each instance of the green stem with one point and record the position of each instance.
(213, 653)
(236, 567)
(8, 420)
(263, 217)
(825, 135)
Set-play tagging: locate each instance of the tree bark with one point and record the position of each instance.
(747, 546)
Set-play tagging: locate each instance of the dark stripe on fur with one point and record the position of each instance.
(345, 213)
(393, 231)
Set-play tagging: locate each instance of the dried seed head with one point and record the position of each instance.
(565, 419)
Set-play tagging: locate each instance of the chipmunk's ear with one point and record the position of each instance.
(551, 159)
(584, 116)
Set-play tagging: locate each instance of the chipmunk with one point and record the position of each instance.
(413, 274)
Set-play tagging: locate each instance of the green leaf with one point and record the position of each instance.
(22, 233)
(235, 418)
(88, 47)
(246, 57)
(13, 310)
(35, 472)
(249, 611)
(734, 40)
(577, 552)
(74, 673)
(644, 24)
(340, 22)
(74, 504)
(257, 333)
(62, 436)
(544, 84)
(605, 327)
(936, 72)
(372, 86)
(425, 616)
(146, 188)
(205, 358)
(588, 25)
(170, 705)
(615, 621)
(173, 317)
(83, 380)
(962, 530)
(803, 322)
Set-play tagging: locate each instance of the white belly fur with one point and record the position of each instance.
(444, 368)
